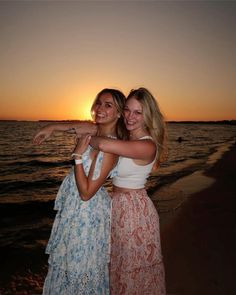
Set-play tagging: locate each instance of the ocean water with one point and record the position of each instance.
(30, 175)
(34, 173)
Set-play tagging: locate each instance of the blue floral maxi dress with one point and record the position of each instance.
(80, 239)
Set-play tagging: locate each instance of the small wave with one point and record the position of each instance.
(178, 160)
(40, 163)
(26, 185)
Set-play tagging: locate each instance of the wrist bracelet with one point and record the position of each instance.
(76, 155)
(78, 161)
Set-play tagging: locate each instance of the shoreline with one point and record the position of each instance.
(169, 198)
(188, 237)
(198, 239)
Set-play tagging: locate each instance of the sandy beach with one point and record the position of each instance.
(198, 242)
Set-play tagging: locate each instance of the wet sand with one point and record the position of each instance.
(198, 239)
(23, 262)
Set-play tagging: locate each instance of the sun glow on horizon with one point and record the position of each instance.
(80, 109)
(84, 112)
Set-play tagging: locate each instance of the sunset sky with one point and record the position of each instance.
(56, 55)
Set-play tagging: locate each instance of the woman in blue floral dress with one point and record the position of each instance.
(78, 247)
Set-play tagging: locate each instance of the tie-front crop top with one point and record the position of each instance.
(131, 175)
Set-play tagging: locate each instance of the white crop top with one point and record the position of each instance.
(131, 175)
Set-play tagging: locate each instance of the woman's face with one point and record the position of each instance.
(104, 109)
(133, 114)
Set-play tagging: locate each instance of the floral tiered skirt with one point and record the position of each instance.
(78, 247)
(136, 266)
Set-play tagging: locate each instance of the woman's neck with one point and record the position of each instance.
(137, 133)
(106, 130)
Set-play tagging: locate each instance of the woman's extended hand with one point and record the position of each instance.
(82, 144)
(42, 135)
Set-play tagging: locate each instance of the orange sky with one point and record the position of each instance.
(55, 56)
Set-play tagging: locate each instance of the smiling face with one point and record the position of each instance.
(104, 109)
(133, 114)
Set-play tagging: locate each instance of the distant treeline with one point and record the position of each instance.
(224, 122)
(65, 120)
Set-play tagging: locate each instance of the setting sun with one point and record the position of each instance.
(86, 113)
(82, 110)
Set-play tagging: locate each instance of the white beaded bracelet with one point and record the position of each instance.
(76, 155)
(78, 161)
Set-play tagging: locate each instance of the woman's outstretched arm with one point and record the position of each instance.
(135, 149)
(79, 128)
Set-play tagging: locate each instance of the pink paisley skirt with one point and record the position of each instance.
(136, 265)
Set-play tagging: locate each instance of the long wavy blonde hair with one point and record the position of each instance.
(153, 119)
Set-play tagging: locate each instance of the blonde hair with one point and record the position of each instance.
(153, 119)
(119, 100)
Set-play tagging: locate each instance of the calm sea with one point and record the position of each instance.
(31, 175)
(34, 173)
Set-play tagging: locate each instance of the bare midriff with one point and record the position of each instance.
(117, 189)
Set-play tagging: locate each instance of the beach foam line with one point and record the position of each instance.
(198, 181)
(193, 183)
(216, 156)
(170, 197)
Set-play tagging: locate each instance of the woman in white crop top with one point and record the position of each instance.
(136, 265)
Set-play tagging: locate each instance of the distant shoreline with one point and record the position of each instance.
(221, 122)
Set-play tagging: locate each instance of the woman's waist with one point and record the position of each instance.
(117, 189)
(129, 183)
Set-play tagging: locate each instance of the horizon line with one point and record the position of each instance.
(168, 121)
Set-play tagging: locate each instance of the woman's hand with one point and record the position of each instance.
(82, 144)
(43, 134)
